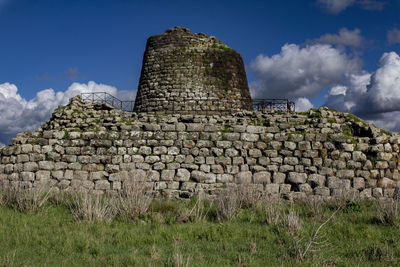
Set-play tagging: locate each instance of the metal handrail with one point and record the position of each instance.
(194, 105)
(109, 99)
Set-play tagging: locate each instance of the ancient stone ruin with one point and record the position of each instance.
(90, 146)
(186, 71)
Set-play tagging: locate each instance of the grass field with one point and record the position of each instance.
(199, 233)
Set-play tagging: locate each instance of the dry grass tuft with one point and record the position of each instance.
(134, 199)
(305, 244)
(250, 196)
(228, 204)
(315, 207)
(199, 211)
(388, 211)
(273, 213)
(25, 200)
(92, 208)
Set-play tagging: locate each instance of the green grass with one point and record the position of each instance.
(354, 237)
(354, 118)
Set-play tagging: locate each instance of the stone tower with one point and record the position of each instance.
(183, 71)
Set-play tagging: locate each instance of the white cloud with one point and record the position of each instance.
(345, 37)
(384, 89)
(393, 36)
(336, 6)
(19, 114)
(303, 104)
(300, 72)
(387, 120)
(338, 90)
(373, 96)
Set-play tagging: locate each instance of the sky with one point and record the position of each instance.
(343, 54)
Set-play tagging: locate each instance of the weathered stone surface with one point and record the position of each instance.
(27, 176)
(31, 166)
(207, 68)
(272, 188)
(244, 177)
(262, 177)
(202, 177)
(101, 185)
(297, 178)
(182, 175)
(345, 174)
(359, 183)
(306, 188)
(167, 175)
(180, 155)
(316, 180)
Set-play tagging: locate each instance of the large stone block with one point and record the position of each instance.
(262, 177)
(297, 178)
(244, 177)
(202, 177)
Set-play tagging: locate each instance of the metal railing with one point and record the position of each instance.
(192, 105)
(111, 100)
(275, 104)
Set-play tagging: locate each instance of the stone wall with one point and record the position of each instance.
(90, 146)
(186, 71)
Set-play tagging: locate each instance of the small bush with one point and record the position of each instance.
(304, 242)
(92, 208)
(249, 196)
(228, 204)
(352, 206)
(345, 199)
(134, 199)
(315, 208)
(273, 213)
(388, 212)
(25, 200)
(199, 211)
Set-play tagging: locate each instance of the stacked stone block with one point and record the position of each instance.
(183, 71)
(89, 146)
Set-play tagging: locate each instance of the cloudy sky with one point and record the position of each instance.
(340, 53)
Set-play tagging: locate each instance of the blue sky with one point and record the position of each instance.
(63, 45)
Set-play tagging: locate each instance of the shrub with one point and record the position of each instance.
(273, 213)
(228, 204)
(92, 208)
(304, 243)
(388, 212)
(315, 208)
(249, 196)
(134, 199)
(25, 200)
(200, 210)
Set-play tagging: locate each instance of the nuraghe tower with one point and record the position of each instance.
(186, 71)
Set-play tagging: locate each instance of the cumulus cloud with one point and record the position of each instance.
(19, 114)
(336, 6)
(345, 37)
(393, 36)
(300, 71)
(373, 96)
(303, 104)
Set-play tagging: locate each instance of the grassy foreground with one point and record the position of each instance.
(173, 233)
